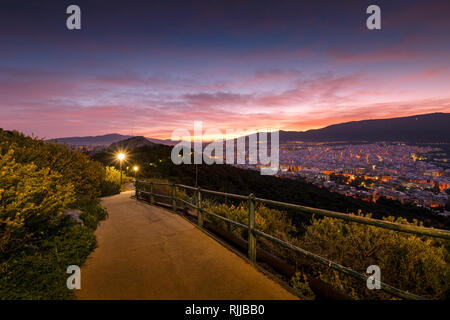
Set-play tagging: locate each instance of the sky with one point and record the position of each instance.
(150, 67)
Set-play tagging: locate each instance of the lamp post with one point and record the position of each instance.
(196, 171)
(196, 175)
(135, 169)
(121, 156)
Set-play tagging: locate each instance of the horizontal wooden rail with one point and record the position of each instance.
(156, 194)
(186, 187)
(436, 233)
(226, 219)
(230, 195)
(187, 203)
(158, 183)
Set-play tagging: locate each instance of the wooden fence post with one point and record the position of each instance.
(251, 226)
(199, 210)
(174, 197)
(152, 198)
(136, 189)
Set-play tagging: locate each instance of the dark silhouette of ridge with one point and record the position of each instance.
(131, 143)
(433, 127)
(103, 140)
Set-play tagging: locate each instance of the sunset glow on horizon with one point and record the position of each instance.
(156, 67)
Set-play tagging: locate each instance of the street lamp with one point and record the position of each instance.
(136, 169)
(121, 157)
(196, 171)
(196, 175)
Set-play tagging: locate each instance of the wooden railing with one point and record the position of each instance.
(253, 232)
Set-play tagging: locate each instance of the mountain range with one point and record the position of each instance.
(104, 140)
(431, 128)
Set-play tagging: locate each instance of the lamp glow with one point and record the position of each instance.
(121, 157)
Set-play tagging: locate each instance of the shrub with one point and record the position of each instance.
(113, 175)
(75, 168)
(40, 273)
(109, 188)
(419, 265)
(31, 203)
(271, 221)
(300, 283)
(38, 181)
(408, 262)
(92, 214)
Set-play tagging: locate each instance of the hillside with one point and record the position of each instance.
(433, 127)
(103, 140)
(131, 143)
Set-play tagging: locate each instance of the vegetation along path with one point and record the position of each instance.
(146, 252)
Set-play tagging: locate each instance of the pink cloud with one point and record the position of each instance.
(55, 104)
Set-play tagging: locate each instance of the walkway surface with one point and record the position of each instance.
(146, 252)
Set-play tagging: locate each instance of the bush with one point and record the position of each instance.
(113, 175)
(75, 168)
(40, 273)
(38, 181)
(419, 265)
(92, 214)
(268, 220)
(110, 185)
(109, 188)
(300, 283)
(31, 203)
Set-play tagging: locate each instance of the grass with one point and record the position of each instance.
(39, 273)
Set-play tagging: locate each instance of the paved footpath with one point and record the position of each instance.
(146, 252)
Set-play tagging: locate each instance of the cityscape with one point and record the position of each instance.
(397, 171)
(418, 174)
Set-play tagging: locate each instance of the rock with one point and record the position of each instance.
(74, 215)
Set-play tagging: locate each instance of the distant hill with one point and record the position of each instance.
(103, 140)
(131, 143)
(433, 127)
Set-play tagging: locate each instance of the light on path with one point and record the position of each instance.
(121, 157)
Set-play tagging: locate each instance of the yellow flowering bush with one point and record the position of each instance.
(416, 264)
(113, 175)
(268, 220)
(31, 202)
(75, 168)
(419, 265)
(38, 180)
